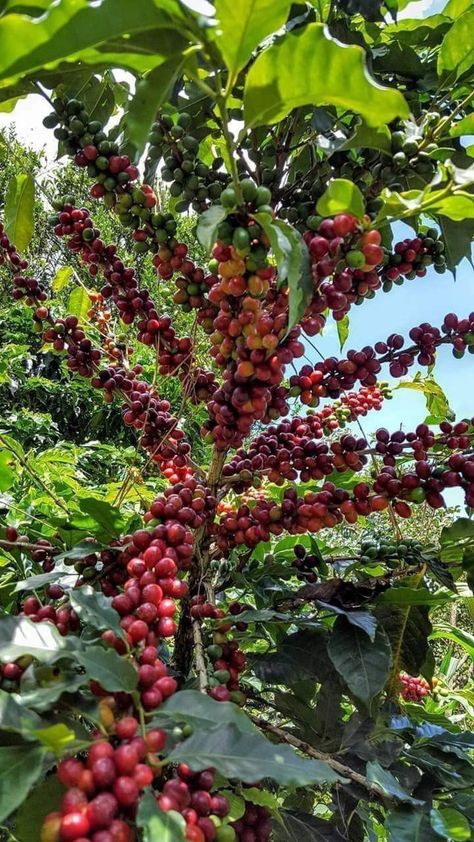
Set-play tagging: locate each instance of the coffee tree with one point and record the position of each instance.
(205, 663)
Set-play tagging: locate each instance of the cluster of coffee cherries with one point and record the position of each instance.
(333, 376)
(66, 334)
(345, 254)
(189, 179)
(255, 825)
(390, 551)
(62, 615)
(412, 688)
(102, 792)
(424, 481)
(192, 794)
(23, 287)
(249, 340)
(411, 257)
(189, 503)
(305, 564)
(291, 448)
(85, 139)
(121, 285)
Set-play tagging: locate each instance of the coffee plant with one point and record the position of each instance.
(233, 614)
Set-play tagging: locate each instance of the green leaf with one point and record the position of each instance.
(366, 137)
(208, 224)
(241, 27)
(55, 738)
(456, 53)
(49, 687)
(302, 827)
(408, 596)
(362, 619)
(19, 636)
(236, 804)
(462, 638)
(78, 303)
(262, 798)
(342, 331)
(61, 278)
(293, 263)
(408, 826)
(363, 665)
(300, 657)
(7, 474)
(156, 824)
(458, 238)
(462, 127)
(72, 30)
(34, 583)
(95, 609)
(288, 75)
(341, 196)
(15, 717)
(249, 757)
(20, 768)
(18, 212)
(112, 671)
(457, 540)
(436, 401)
(43, 799)
(457, 207)
(107, 516)
(202, 712)
(150, 94)
(408, 629)
(450, 824)
(377, 774)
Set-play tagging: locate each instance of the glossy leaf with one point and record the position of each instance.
(408, 826)
(71, 29)
(18, 212)
(20, 768)
(458, 238)
(436, 401)
(292, 263)
(15, 717)
(249, 757)
(208, 224)
(388, 782)
(203, 712)
(20, 636)
(149, 95)
(302, 827)
(107, 516)
(156, 824)
(450, 824)
(7, 473)
(288, 75)
(341, 196)
(456, 55)
(362, 664)
(113, 672)
(55, 738)
(78, 303)
(95, 609)
(43, 799)
(241, 27)
(342, 326)
(61, 278)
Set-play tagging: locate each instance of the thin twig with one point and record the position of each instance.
(199, 656)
